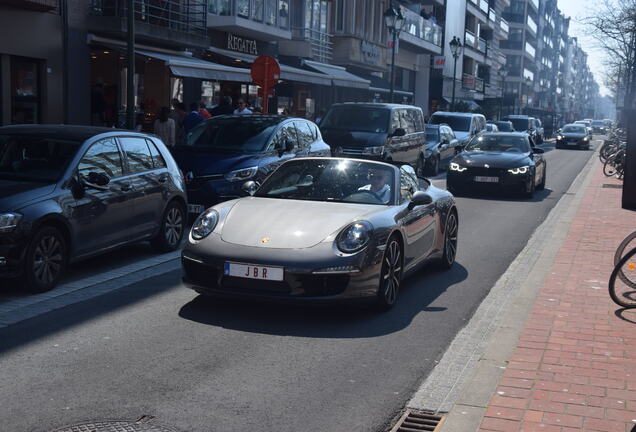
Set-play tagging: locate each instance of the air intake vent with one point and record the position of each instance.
(416, 422)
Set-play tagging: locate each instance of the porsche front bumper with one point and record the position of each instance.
(318, 273)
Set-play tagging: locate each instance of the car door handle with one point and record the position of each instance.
(163, 178)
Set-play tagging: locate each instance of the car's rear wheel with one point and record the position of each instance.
(450, 241)
(172, 228)
(390, 275)
(45, 260)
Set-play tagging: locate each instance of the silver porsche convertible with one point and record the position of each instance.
(322, 229)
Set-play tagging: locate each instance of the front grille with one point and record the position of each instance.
(252, 286)
(352, 151)
(323, 285)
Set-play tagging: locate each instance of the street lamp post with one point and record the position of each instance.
(502, 72)
(394, 21)
(455, 46)
(130, 75)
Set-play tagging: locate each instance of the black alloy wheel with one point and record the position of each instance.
(450, 241)
(390, 275)
(541, 186)
(530, 194)
(172, 229)
(45, 261)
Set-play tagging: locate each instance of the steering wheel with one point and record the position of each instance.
(375, 195)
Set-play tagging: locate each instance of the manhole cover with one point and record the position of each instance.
(115, 426)
(416, 422)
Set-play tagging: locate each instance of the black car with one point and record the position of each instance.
(500, 161)
(222, 153)
(573, 136)
(441, 147)
(505, 126)
(524, 123)
(71, 192)
(384, 132)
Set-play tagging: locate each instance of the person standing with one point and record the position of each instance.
(203, 111)
(192, 119)
(164, 127)
(224, 107)
(242, 108)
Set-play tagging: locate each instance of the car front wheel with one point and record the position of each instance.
(45, 260)
(450, 241)
(390, 275)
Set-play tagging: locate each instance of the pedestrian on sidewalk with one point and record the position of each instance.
(192, 119)
(242, 108)
(203, 111)
(224, 107)
(164, 127)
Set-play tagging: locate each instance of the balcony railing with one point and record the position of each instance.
(504, 25)
(469, 39)
(492, 16)
(479, 85)
(181, 15)
(483, 5)
(481, 45)
(468, 81)
(421, 28)
(321, 44)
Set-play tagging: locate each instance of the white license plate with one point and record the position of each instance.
(482, 179)
(195, 208)
(249, 271)
(573, 143)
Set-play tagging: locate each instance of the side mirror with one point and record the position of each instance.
(250, 187)
(399, 132)
(419, 198)
(537, 150)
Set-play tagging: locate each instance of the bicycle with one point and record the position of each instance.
(621, 292)
(615, 164)
(618, 255)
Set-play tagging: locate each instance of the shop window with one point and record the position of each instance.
(257, 10)
(219, 7)
(25, 89)
(271, 12)
(283, 13)
(243, 8)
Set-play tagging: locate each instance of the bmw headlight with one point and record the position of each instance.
(205, 224)
(241, 174)
(8, 221)
(354, 237)
(559, 137)
(520, 170)
(457, 167)
(373, 150)
(586, 139)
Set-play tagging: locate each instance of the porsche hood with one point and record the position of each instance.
(288, 224)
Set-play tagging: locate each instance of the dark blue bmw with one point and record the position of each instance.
(222, 153)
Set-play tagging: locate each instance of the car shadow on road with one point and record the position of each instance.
(329, 320)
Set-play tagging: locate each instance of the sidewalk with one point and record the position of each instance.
(574, 366)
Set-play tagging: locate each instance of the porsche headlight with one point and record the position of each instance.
(205, 224)
(8, 221)
(520, 170)
(373, 150)
(457, 167)
(354, 237)
(241, 174)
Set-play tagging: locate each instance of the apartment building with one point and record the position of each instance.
(481, 28)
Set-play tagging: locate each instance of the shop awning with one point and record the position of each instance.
(287, 73)
(472, 105)
(339, 75)
(190, 67)
(380, 85)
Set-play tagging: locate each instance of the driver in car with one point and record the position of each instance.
(378, 185)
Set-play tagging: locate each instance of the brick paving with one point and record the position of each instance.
(574, 367)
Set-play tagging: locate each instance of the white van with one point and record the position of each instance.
(465, 125)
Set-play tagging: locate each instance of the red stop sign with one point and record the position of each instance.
(265, 71)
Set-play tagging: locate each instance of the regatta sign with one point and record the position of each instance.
(242, 45)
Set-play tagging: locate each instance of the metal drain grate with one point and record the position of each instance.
(416, 422)
(115, 426)
(612, 186)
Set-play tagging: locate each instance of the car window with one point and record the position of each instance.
(102, 157)
(157, 159)
(355, 118)
(305, 135)
(138, 155)
(287, 130)
(314, 131)
(407, 122)
(419, 121)
(408, 182)
(395, 120)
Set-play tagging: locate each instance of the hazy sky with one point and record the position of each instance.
(578, 9)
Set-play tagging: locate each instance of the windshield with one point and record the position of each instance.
(504, 126)
(520, 124)
(457, 123)
(498, 143)
(238, 134)
(573, 129)
(331, 180)
(35, 158)
(357, 118)
(432, 133)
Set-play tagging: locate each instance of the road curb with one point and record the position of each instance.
(464, 380)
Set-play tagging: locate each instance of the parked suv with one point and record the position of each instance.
(464, 125)
(71, 192)
(524, 123)
(386, 132)
(222, 153)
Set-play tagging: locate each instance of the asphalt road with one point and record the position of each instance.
(157, 349)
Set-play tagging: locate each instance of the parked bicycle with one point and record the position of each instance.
(614, 165)
(622, 286)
